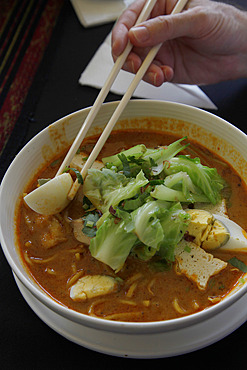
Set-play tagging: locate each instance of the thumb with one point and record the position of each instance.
(167, 27)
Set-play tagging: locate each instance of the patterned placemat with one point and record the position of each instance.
(25, 30)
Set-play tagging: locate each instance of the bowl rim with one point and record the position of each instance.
(110, 325)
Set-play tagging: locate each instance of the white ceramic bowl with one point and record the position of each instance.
(135, 340)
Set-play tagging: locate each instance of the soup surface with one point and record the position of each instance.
(143, 291)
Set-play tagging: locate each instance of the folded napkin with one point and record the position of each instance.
(96, 12)
(101, 64)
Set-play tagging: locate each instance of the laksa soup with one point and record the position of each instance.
(141, 240)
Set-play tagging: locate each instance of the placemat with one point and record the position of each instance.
(25, 30)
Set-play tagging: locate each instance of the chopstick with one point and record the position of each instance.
(104, 91)
(122, 104)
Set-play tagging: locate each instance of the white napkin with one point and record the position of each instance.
(96, 12)
(101, 64)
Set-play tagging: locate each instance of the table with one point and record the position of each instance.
(25, 341)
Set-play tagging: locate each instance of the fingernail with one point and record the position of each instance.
(140, 33)
(129, 66)
(151, 78)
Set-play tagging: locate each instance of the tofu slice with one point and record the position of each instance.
(90, 286)
(200, 225)
(79, 160)
(196, 264)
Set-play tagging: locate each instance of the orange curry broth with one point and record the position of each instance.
(154, 293)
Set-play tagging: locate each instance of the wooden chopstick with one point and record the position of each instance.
(103, 92)
(122, 104)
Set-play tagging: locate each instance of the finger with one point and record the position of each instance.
(125, 22)
(162, 28)
(163, 7)
(156, 74)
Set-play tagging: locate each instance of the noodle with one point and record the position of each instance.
(214, 299)
(146, 303)
(50, 271)
(77, 256)
(39, 260)
(124, 315)
(195, 305)
(133, 278)
(131, 290)
(131, 303)
(178, 308)
(95, 303)
(27, 259)
(74, 269)
(149, 287)
(74, 278)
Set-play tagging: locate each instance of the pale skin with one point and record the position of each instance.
(204, 44)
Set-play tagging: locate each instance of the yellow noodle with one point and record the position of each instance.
(74, 269)
(214, 299)
(95, 303)
(41, 260)
(178, 308)
(149, 287)
(131, 303)
(79, 249)
(131, 290)
(32, 260)
(146, 303)
(77, 256)
(122, 316)
(74, 278)
(234, 269)
(50, 271)
(195, 305)
(28, 244)
(27, 259)
(133, 278)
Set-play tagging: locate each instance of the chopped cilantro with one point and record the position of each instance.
(78, 174)
(42, 181)
(187, 249)
(89, 228)
(160, 265)
(238, 264)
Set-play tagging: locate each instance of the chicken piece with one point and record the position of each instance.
(90, 286)
(200, 225)
(196, 264)
(48, 230)
(217, 237)
(53, 234)
(77, 226)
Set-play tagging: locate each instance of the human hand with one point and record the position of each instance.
(204, 44)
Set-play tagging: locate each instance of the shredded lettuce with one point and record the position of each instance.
(174, 221)
(105, 188)
(112, 243)
(147, 224)
(162, 155)
(151, 161)
(206, 179)
(140, 193)
(155, 227)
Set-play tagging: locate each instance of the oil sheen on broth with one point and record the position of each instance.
(144, 293)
